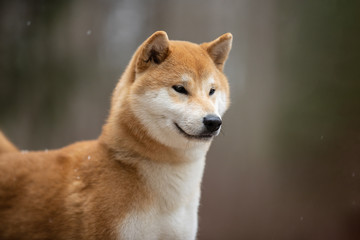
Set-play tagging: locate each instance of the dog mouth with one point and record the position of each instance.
(204, 136)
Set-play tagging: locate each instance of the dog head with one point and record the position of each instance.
(179, 92)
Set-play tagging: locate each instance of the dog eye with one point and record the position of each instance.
(180, 89)
(212, 91)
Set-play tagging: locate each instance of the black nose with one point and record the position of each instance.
(212, 123)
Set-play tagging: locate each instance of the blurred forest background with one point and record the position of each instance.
(288, 163)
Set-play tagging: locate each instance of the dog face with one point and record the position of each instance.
(180, 92)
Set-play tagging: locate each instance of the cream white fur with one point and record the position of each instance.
(221, 103)
(158, 113)
(185, 78)
(177, 193)
(176, 187)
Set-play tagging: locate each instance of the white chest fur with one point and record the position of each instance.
(173, 215)
(180, 224)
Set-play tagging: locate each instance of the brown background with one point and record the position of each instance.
(287, 165)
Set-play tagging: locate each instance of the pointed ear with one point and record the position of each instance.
(219, 49)
(153, 51)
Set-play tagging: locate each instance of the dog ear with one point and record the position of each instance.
(219, 49)
(153, 51)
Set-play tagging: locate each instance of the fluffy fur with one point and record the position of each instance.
(141, 178)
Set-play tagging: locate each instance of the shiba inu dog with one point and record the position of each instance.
(141, 178)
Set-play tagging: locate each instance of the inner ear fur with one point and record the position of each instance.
(153, 51)
(219, 49)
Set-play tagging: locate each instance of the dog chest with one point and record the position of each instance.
(180, 224)
(175, 194)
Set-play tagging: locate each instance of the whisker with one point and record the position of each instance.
(222, 131)
(187, 144)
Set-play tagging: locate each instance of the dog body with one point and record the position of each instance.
(141, 178)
